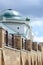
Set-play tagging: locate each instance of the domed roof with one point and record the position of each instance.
(27, 19)
(11, 14)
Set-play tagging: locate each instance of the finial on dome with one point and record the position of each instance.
(9, 9)
(27, 19)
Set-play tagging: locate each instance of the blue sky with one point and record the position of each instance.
(31, 8)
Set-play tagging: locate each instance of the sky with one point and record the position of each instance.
(31, 8)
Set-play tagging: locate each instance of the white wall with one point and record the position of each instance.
(22, 28)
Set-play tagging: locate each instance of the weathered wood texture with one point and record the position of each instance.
(11, 57)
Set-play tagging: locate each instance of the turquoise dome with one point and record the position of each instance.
(27, 19)
(11, 14)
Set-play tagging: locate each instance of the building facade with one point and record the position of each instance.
(15, 23)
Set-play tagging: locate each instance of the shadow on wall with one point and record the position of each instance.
(26, 63)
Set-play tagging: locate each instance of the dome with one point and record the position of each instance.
(11, 14)
(27, 19)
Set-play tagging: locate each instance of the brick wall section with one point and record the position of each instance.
(18, 42)
(1, 37)
(28, 45)
(40, 46)
(20, 57)
(34, 46)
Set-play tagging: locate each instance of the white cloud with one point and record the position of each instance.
(20, 2)
(37, 22)
(34, 2)
(38, 39)
(34, 24)
(36, 33)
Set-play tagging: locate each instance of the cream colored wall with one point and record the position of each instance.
(1, 37)
(11, 57)
(24, 57)
(0, 56)
(17, 57)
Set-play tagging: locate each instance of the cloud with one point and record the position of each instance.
(37, 22)
(26, 7)
(37, 29)
(38, 39)
(20, 2)
(36, 33)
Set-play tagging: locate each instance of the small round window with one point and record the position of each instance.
(17, 27)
